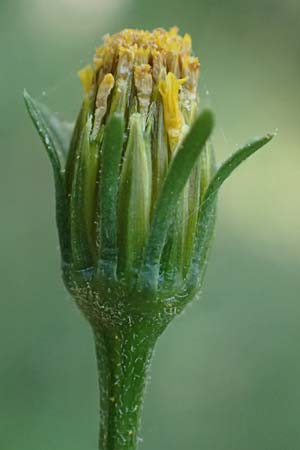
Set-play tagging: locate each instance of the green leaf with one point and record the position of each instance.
(72, 152)
(59, 131)
(43, 130)
(203, 241)
(109, 183)
(159, 152)
(202, 174)
(173, 254)
(208, 168)
(134, 200)
(81, 249)
(208, 210)
(178, 174)
(233, 162)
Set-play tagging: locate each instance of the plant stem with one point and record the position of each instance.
(123, 355)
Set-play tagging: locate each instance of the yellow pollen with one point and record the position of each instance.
(143, 44)
(142, 55)
(141, 66)
(169, 90)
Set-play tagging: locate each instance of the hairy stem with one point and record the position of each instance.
(123, 357)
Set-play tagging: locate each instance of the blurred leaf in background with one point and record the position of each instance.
(226, 375)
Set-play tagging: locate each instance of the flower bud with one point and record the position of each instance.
(136, 189)
(147, 82)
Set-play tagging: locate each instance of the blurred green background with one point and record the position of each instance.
(226, 375)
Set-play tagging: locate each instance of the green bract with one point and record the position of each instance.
(136, 191)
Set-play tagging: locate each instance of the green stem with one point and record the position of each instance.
(123, 355)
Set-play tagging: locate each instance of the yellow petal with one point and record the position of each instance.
(169, 90)
(86, 76)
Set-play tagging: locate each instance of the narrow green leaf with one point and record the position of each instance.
(72, 152)
(107, 202)
(208, 168)
(178, 174)
(81, 248)
(173, 255)
(203, 241)
(134, 201)
(91, 189)
(62, 218)
(159, 152)
(60, 132)
(42, 128)
(198, 184)
(233, 162)
(207, 217)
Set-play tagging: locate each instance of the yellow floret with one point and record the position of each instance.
(104, 90)
(86, 76)
(169, 90)
(143, 83)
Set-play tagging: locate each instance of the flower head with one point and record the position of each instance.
(136, 187)
(142, 92)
